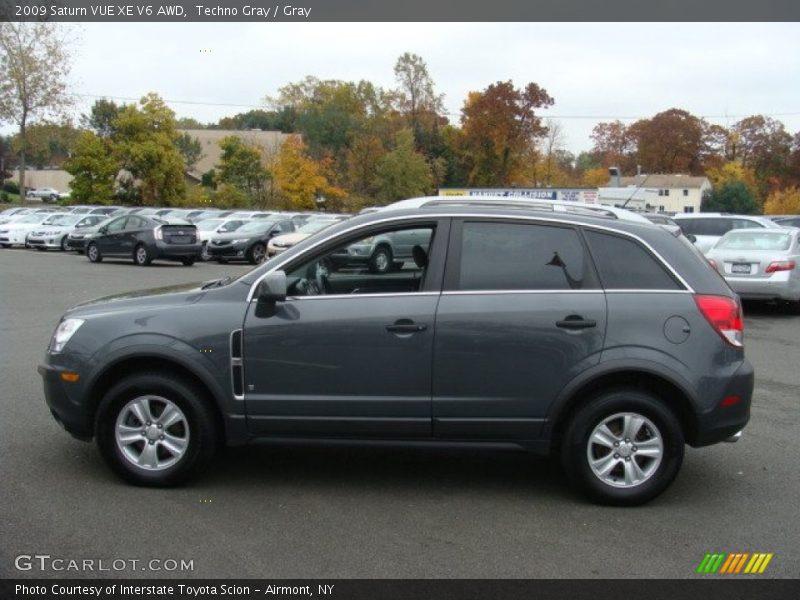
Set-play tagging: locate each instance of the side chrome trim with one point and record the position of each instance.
(237, 366)
(496, 292)
(432, 215)
(382, 295)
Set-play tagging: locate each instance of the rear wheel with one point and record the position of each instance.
(256, 253)
(624, 447)
(154, 429)
(141, 256)
(205, 255)
(93, 253)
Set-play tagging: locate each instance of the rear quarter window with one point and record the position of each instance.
(624, 264)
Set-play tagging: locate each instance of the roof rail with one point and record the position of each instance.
(553, 206)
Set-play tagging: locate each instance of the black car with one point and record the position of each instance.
(143, 239)
(248, 242)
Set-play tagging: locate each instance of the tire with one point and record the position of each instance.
(381, 260)
(167, 455)
(93, 253)
(5, 245)
(187, 261)
(204, 254)
(141, 256)
(64, 244)
(656, 470)
(41, 248)
(256, 253)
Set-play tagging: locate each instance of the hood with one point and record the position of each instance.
(13, 226)
(289, 239)
(171, 295)
(238, 235)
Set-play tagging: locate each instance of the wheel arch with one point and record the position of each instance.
(674, 396)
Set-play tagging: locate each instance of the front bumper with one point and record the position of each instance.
(62, 399)
(13, 238)
(723, 422)
(231, 251)
(44, 242)
(76, 244)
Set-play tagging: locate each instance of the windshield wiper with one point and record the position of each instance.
(216, 283)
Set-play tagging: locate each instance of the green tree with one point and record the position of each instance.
(191, 150)
(733, 196)
(241, 166)
(93, 168)
(47, 144)
(34, 67)
(101, 117)
(145, 145)
(403, 172)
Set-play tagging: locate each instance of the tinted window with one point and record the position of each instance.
(623, 264)
(509, 256)
(136, 223)
(116, 225)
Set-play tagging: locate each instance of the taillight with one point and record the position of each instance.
(158, 233)
(725, 316)
(780, 265)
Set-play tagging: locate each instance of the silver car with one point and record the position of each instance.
(760, 264)
(55, 233)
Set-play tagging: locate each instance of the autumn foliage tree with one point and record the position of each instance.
(499, 124)
(783, 202)
(403, 172)
(300, 180)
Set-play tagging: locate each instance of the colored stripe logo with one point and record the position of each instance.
(735, 563)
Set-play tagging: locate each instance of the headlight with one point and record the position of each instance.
(239, 241)
(65, 330)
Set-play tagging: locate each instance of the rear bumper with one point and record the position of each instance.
(177, 251)
(61, 399)
(723, 422)
(766, 288)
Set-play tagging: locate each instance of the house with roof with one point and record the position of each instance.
(672, 193)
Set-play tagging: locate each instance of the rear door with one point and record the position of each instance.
(521, 314)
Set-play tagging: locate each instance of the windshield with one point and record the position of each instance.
(63, 220)
(31, 219)
(314, 226)
(89, 221)
(208, 224)
(233, 225)
(255, 226)
(755, 241)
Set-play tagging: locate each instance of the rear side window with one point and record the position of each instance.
(624, 264)
(510, 256)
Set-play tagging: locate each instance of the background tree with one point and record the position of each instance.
(732, 197)
(403, 172)
(417, 99)
(783, 202)
(731, 172)
(101, 117)
(34, 68)
(48, 144)
(191, 150)
(672, 141)
(499, 125)
(145, 145)
(300, 180)
(763, 144)
(93, 169)
(241, 166)
(613, 145)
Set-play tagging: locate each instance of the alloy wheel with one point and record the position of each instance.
(152, 433)
(625, 450)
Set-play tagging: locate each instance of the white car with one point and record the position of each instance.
(55, 231)
(208, 228)
(44, 193)
(16, 232)
(705, 229)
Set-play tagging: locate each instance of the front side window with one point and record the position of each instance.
(116, 225)
(623, 264)
(512, 256)
(393, 261)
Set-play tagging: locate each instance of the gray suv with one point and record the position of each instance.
(606, 342)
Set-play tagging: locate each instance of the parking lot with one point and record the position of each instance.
(302, 512)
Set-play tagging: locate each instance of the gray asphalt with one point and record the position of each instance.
(300, 512)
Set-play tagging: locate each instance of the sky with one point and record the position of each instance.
(594, 71)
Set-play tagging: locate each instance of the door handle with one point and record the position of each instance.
(576, 322)
(406, 326)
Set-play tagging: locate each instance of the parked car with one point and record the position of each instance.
(381, 253)
(664, 221)
(16, 232)
(143, 239)
(12, 214)
(209, 228)
(44, 193)
(705, 229)
(76, 239)
(760, 264)
(283, 242)
(788, 221)
(608, 342)
(107, 210)
(55, 232)
(248, 242)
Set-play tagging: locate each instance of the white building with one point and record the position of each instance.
(674, 193)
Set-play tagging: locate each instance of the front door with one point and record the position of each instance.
(520, 315)
(349, 352)
(111, 242)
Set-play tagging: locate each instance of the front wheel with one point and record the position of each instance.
(624, 447)
(153, 429)
(205, 255)
(64, 244)
(187, 261)
(93, 253)
(256, 253)
(381, 261)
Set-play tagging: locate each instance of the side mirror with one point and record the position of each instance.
(691, 237)
(272, 288)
